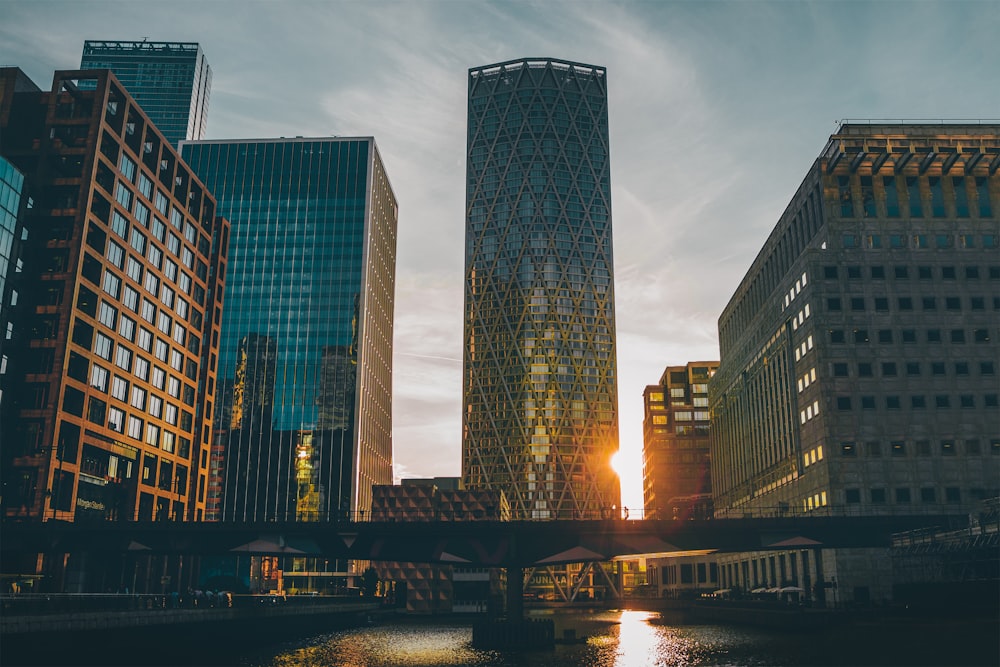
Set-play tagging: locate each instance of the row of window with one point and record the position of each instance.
(917, 402)
(909, 336)
(912, 368)
(955, 196)
(904, 494)
(919, 241)
(835, 304)
(905, 272)
(902, 448)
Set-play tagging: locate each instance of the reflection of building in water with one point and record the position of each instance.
(253, 391)
(336, 388)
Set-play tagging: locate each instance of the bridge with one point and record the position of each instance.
(477, 543)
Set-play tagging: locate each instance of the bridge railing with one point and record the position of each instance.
(699, 511)
(24, 604)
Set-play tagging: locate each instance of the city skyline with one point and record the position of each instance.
(716, 110)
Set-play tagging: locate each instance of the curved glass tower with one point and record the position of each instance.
(540, 418)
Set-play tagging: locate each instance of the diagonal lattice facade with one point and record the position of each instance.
(540, 419)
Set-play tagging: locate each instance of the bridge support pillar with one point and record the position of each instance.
(515, 593)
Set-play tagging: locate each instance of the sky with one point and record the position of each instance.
(717, 110)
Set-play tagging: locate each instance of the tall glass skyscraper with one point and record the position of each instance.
(304, 416)
(540, 418)
(171, 81)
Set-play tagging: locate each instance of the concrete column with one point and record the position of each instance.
(515, 594)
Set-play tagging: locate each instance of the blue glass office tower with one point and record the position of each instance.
(304, 415)
(540, 418)
(11, 231)
(171, 81)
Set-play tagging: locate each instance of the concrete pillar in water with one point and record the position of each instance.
(515, 593)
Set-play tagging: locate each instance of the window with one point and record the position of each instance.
(840, 370)
(857, 303)
(135, 428)
(933, 335)
(928, 303)
(142, 368)
(948, 448)
(901, 272)
(924, 272)
(867, 402)
(123, 358)
(897, 448)
(130, 299)
(878, 272)
(927, 495)
(902, 495)
(155, 406)
(148, 311)
(159, 230)
(161, 349)
(918, 402)
(958, 335)
(881, 304)
(170, 270)
(108, 315)
(119, 388)
(852, 496)
(865, 369)
(986, 368)
(177, 363)
(99, 378)
(180, 333)
(145, 339)
(145, 185)
(972, 448)
(159, 377)
(905, 303)
(889, 368)
(892, 402)
(112, 284)
(952, 494)
(138, 241)
(843, 402)
(152, 435)
(885, 335)
(164, 323)
(837, 336)
(167, 441)
(154, 256)
(138, 400)
(126, 328)
(103, 347)
(152, 283)
(981, 335)
(966, 401)
(833, 304)
(171, 414)
(116, 420)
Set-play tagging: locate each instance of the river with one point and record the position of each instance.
(633, 639)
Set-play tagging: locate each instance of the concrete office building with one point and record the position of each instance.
(859, 355)
(540, 417)
(123, 268)
(676, 470)
(171, 81)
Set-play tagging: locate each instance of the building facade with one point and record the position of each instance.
(429, 588)
(13, 234)
(170, 80)
(676, 469)
(540, 417)
(305, 358)
(859, 355)
(123, 268)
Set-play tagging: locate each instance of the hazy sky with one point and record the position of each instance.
(717, 110)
